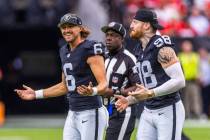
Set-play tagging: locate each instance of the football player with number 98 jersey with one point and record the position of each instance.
(83, 80)
(162, 77)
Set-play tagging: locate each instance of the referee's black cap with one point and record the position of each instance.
(115, 26)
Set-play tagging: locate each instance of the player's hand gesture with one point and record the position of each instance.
(122, 103)
(141, 93)
(85, 90)
(26, 94)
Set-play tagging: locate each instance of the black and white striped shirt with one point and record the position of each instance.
(121, 71)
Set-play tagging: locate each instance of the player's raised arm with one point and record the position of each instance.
(97, 66)
(171, 65)
(30, 94)
(167, 57)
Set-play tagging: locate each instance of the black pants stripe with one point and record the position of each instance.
(96, 127)
(174, 122)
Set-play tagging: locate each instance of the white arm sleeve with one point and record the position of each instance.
(175, 83)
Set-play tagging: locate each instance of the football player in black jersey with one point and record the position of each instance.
(122, 77)
(161, 77)
(82, 66)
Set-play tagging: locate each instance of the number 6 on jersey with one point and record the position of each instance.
(70, 80)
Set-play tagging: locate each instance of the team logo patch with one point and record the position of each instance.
(115, 79)
(112, 24)
(68, 55)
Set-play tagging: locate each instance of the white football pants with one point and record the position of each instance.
(162, 124)
(86, 125)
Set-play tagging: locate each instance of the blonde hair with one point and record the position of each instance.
(85, 32)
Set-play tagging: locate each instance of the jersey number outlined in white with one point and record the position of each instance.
(98, 48)
(146, 75)
(163, 40)
(70, 80)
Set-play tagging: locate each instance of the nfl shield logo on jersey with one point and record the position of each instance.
(115, 79)
(68, 55)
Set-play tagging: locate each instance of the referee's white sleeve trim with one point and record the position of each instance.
(175, 83)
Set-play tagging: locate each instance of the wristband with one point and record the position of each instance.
(39, 94)
(95, 91)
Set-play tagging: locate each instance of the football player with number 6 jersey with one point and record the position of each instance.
(83, 80)
(161, 77)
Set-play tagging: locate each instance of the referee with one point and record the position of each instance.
(122, 76)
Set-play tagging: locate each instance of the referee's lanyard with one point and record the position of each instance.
(110, 107)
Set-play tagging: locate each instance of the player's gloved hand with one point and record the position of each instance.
(26, 94)
(122, 103)
(142, 93)
(85, 90)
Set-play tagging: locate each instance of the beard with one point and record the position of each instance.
(135, 34)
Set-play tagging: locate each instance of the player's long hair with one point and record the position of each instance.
(85, 32)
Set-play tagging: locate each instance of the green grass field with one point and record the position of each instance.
(30, 134)
(198, 133)
(56, 134)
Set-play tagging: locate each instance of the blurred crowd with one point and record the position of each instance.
(196, 67)
(181, 18)
(32, 12)
(184, 18)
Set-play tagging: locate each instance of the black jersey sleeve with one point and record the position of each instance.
(162, 41)
(95, 48)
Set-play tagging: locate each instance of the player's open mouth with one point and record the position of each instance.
(67, 34)
(108, 43)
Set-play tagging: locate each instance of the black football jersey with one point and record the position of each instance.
(78, 72)
(151, 72)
